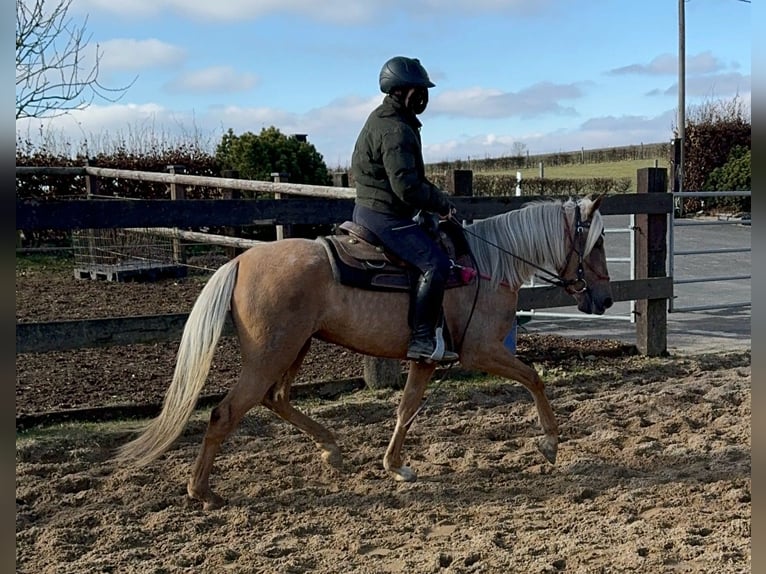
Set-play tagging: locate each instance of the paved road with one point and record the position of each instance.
(688, 331)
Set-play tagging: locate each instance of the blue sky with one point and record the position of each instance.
(549, 75)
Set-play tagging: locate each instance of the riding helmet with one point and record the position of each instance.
(401, 72)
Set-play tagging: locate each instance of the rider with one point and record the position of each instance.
(391, 189)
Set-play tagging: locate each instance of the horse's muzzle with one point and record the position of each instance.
(592, 304)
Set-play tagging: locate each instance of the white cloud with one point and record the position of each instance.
(223, 79)
(608, 131)
(130, 54)
(536, 100)
(331, 128)
(237, 10)
(704, 63)
(627, 123)
(663, 64)
(337, 11)
(667, 65)
(710, 86)
(101, 127)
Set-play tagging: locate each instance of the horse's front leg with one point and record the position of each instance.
(549, 443)
(498, 361)
(417, 380)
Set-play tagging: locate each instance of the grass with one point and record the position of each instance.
(43, 262)
(608, 169)
(74, 430)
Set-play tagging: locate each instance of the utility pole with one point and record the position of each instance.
(681, 96)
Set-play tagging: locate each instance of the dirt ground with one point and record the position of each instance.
(653, 473)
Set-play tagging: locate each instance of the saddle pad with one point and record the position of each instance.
(358, 264)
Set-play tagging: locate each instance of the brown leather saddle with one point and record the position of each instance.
(358, 259)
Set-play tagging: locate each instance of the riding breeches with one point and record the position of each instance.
(407, 240)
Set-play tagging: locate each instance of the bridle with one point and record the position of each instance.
(579, 284)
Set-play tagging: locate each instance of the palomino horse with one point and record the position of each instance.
(281, 294)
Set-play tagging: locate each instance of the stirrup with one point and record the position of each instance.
(439, 354)
(445, 357)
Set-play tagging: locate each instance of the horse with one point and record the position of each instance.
(282, 294)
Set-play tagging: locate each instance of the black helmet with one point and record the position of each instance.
(401, 72)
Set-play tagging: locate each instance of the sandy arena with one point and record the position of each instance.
(653, 473)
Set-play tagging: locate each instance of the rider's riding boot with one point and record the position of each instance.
(426, 341)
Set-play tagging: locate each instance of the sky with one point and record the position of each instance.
(541, 76)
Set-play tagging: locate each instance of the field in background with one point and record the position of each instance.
(607, 169)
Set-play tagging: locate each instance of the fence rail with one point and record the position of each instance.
(42, 337)
(322, 205)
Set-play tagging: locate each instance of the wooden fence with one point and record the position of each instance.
(312, 204)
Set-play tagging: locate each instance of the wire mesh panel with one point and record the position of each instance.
(124, 255)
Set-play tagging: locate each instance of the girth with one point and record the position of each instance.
(358, 259)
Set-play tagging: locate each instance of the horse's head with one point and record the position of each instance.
(585, 272)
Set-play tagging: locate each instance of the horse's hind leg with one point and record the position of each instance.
(278, 400)
(417, 380)
(247, 392)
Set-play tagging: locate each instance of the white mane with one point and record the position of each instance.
(535, 233)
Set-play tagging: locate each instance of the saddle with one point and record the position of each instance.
(359, 259)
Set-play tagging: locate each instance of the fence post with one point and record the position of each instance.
(177, 192)
(382, 373)
(460, 184)
(228, 193)
(340, 179)
(283, 231)
(91, 182)
(651, 258)
(678, 202)
(91, 189)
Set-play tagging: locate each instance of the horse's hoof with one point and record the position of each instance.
(209, 499)
(404, 474)
(549, 446)
(332, 456)
(213, 502)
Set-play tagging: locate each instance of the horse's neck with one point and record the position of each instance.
(512, 246)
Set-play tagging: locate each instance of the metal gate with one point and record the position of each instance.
(623, 225)
(681, 276)
(706, 254)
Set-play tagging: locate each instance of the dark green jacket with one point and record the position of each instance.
(387, 164)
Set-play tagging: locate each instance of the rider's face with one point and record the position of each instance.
(417, 100)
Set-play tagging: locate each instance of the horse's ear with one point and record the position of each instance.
(596, 203)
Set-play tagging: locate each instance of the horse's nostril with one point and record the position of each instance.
(607, 302)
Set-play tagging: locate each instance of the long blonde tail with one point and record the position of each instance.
(195, 354)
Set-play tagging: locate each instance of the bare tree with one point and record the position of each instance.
(519, 149)
(53, 73)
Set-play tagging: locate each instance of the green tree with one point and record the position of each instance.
(258, 156)
(734, 175)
